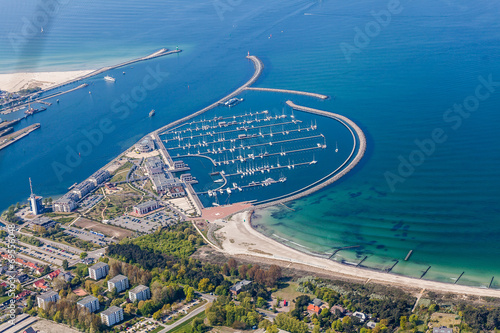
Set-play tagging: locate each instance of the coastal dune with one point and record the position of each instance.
(45, 80)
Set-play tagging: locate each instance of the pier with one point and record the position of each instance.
(286, 91)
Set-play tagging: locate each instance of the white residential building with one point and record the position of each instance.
(139, 293)
(120, 282)
(98, 271)
(89, 302)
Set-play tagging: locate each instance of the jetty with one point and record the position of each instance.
(287, 91)
(17, 135)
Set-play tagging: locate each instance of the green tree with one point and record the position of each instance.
(58, 317)
(260, 302)
(402, 322)
(272, 329)
(203, 284)
(65, 264)
(197, 326)
(83, 255)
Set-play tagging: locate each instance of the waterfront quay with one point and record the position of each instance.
(9, 139)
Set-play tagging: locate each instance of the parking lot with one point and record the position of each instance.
(62, 253)
(146, 224)
(90, 201)
(89, 236)
(48, 257)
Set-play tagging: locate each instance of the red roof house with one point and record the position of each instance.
(54, 274)
(311, 308)
(40, 284)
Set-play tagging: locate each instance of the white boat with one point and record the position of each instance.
(109, 78)
(336, 147)
(219, 181)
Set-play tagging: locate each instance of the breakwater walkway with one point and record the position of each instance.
(347, 166)
(286, 91)
(259, 66)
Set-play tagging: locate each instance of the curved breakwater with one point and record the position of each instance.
(346, 168)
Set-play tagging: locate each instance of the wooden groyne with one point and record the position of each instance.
(408, 255)
(287, 91)
(258, 70)
(423, 274)
(333, 176)
(343, 248)
(391, 268)
(359, 263)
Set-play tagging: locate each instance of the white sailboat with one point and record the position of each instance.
(336, 147)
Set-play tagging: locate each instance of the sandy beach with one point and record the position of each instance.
(239, 238)
(17, 81)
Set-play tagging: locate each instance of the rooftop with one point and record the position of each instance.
(87, 300)
(117, 278)
(138, 289)
(147, 204)
(48, 295)
(99, 265)
(111, 310)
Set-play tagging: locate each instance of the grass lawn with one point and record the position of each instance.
(121, 173)
(288, 291)
(445, 319)
(184, 327)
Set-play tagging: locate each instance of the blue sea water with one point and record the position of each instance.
(397, 86)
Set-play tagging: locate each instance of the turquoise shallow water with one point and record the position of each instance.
(397, 88)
